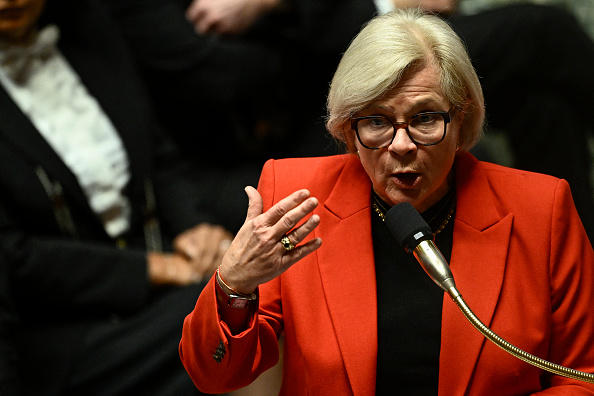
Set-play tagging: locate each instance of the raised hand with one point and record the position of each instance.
(256, 255)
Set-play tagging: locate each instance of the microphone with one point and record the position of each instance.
(413, 233)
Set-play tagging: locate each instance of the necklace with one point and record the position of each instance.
(381, 210)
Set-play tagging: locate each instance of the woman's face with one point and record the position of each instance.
(18, 18)
(403, 171)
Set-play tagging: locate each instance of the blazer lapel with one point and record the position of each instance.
(347, 271)
(478, 269)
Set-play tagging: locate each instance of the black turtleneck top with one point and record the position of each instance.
(409, 310)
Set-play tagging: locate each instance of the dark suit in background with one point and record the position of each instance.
(9, 378)
(538, 60)
(91, 323)
(234, 102)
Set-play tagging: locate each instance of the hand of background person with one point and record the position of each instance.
(227, 17)
(256, 255)
(171, 269)
(204, 246)
(443, 6)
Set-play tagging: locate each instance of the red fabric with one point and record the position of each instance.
(521, 260)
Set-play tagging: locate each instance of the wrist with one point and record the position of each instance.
(232, 297)
(234, 280)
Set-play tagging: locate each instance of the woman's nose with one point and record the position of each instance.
(402, 143)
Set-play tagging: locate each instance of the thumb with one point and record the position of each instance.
(255, 205)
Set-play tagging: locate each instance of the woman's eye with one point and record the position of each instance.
(379, 122)
(425, 118)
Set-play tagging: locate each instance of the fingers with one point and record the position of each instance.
(289, 211)
(203, 246)
(271, 226)
(193, 15)
(257, 254)
(294, 255)
(211, 242)
(214, 247)
(186, 243)
(298, 234)
(198, 15)
(255, 204)
(170, 269)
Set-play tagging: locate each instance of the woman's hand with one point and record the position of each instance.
(204, 246)
(256, 255)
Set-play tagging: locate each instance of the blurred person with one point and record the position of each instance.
(219, 84)
(254, 89)
(357, 313)
(104, 240)
(209, 92)
(310, 36)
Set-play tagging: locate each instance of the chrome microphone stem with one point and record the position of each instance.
(434, 264)
(515, 351)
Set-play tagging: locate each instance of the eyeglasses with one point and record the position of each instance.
(425, 129)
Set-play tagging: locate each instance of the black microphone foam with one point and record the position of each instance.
(407, 226)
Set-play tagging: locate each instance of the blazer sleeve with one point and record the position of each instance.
(219, 361)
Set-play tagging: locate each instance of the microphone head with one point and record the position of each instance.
(407, 226)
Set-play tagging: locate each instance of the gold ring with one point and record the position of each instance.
(287, 243)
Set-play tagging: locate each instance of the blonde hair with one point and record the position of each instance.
(380, 54)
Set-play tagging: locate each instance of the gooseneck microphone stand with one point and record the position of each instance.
(515, 351)
(412, 232)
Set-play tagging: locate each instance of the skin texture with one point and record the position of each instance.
(18, 19)
(227, 17)
(255, 255)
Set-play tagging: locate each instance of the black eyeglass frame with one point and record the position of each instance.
(447, 118)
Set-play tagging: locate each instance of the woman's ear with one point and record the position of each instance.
(348, 136)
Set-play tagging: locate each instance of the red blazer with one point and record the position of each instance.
(520, 258)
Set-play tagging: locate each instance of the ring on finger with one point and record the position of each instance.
(287, 243)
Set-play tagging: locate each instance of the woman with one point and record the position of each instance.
(100, 228)
(358, 314)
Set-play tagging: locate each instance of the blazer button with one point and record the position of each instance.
(220, 352)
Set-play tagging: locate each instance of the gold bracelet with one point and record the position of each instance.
(229, 288)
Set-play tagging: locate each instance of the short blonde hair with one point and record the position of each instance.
(380, 54)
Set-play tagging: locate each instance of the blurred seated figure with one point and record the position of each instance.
(256, 95)
(200, 83)
(268, 78)
(104, 239)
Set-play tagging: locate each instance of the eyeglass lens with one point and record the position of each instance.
(424, 128)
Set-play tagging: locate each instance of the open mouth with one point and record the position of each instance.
(406, 179)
